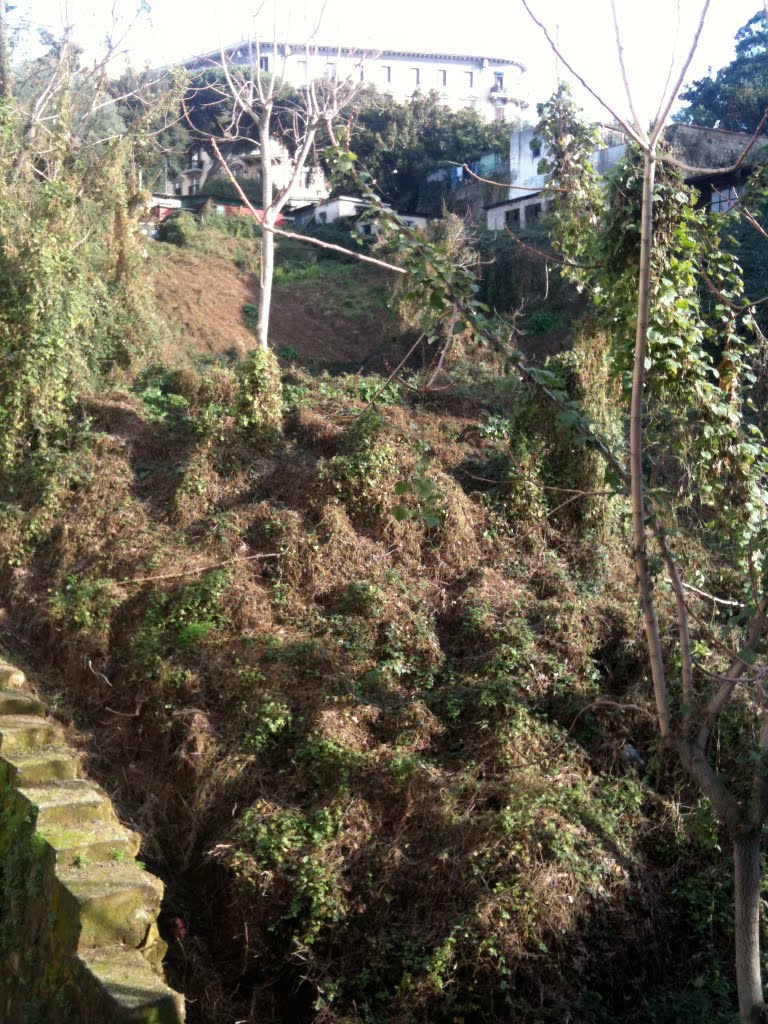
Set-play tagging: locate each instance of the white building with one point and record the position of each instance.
(525, 202)
(707, 147)
(244, 160)
(353, 209)
(490, 85)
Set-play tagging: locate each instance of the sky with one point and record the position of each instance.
(652, 31)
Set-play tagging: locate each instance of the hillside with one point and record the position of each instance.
(347, 680)
(330, 314)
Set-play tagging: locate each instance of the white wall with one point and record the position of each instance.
(342, 206)
(460, 81)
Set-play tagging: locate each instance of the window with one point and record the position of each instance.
(512, 217)
(535, 152)
(386, 73)
(723, 198)
(263, 63)
(322, 217)
(330, 71)
(498, 81)
(442, 78)
(498, 113)
(303, 70)
(416, 76)
(533, 213)
(469, 79)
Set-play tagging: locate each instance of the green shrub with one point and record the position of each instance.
(259, 399)
(544, 321)
(179, 229)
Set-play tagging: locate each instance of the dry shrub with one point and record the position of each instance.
(351, 760)
(315, 431)
(198, 490)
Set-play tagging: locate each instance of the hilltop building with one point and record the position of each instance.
(489, 85)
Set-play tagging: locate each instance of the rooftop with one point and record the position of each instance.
(214, 56)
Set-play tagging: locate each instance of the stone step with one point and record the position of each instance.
(25, 734)
(97, 843)
(67, 803)
(11, 677)
(106, 904)
(17, 702)
(129, 990)
(42, 766)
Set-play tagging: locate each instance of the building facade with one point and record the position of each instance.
(705, 147)
(244, 161)
(525, 201)
(490, 85)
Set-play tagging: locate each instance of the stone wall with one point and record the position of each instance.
(78, 935)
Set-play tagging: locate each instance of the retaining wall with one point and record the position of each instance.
(78, 934)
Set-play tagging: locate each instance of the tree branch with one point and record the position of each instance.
(292, 234)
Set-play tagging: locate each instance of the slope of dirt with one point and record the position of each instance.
(334, 314)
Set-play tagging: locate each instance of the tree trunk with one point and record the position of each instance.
(265, 284)
(746, 863)
(267, 234)
(636, 449)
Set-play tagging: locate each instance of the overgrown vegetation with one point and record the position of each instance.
(362, 658)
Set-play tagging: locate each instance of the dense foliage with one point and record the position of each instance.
(74, 302)
(736, 97)
(361, 660)
(400, 143)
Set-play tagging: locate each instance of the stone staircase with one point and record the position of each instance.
(78, 935)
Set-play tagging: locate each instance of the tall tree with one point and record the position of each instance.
(254, 100)
(737, 95)
(696, 465)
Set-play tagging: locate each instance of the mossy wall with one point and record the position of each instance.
(78, 935)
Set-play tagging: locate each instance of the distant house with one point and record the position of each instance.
(490, 85)
(355, 209)
(526, 201)
(163, 206)
(243, 158)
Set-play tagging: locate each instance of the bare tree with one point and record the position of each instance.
(255, 95)
(688, 729)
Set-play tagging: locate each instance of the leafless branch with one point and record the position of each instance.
(711, 597)
(522, 188)
(620, 51)
(662, 120)
(292, 234)
(201, 568)
(558, 53)
(671, 68)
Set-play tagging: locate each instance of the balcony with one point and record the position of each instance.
(500, 94)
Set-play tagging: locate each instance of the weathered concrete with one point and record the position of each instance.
(78, 935)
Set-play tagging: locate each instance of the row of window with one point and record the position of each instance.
(383, 73)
